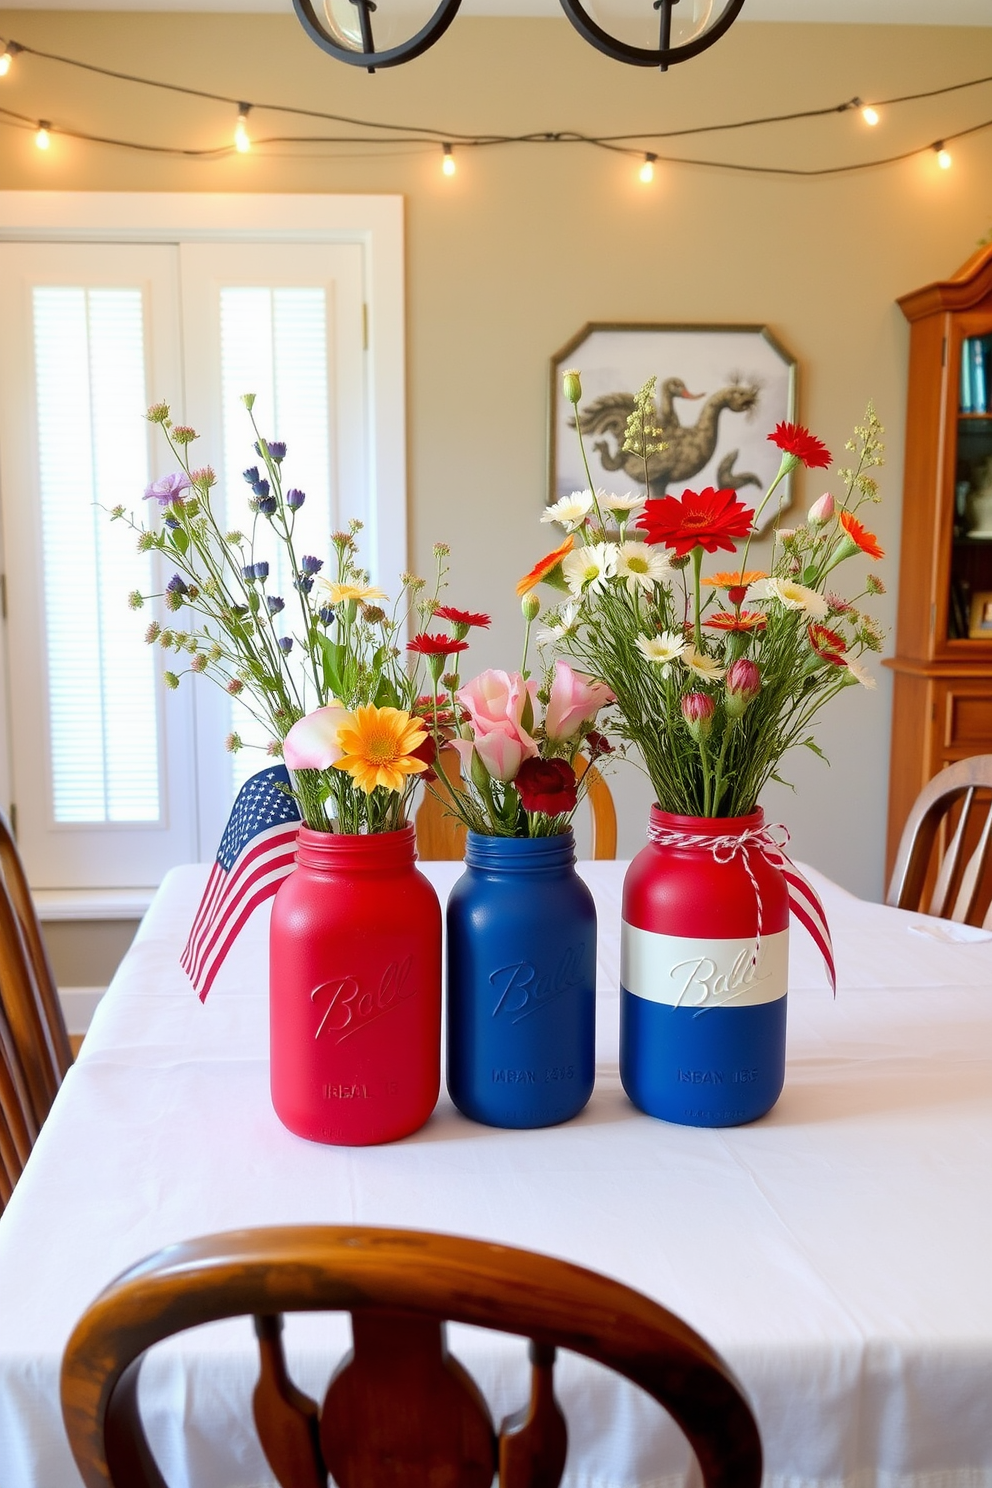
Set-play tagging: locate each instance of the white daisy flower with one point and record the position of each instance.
(793, 596)
(662, 649)
(560, 622)
(570, 511)
(609, 501)
(587, 569)
(700, 665)
(860, 673)
(641, 566)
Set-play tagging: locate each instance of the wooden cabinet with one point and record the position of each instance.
(942, 708)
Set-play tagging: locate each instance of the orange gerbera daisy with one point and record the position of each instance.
(380, 747)
(736, 584)
(544, 568)
(746, 620)
(860, 536)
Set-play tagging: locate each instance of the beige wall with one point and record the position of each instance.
(508, 259)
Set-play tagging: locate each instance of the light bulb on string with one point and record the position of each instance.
(10, 51)
(944, 158)
(646, 171)
(42, 138)
(870, 115)
(242, 140)
(448, 161)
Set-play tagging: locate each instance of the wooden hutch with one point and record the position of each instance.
(942, 706)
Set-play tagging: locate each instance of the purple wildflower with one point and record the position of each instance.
(276, 449)
(248, 573)
(172, 523)
(260, 487)
(275, 604)
(267, 504)
(304, 584)
(325, 614)
(261, 570)
(285, 644)
(295, 499)
(167, 488)
(311, 565)
(176, 585)
(251, 475)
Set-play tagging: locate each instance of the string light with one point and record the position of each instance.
(870, 115)
(42, 138)
(10, 51)
(242, 140)
(448, 161)
(944, 159)
(646, 171)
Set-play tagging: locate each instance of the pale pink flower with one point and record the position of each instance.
(575, 699)
(501, 750)
(822, 510)
(312, 742)
(500, 706)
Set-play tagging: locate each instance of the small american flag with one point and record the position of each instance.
(256, 853)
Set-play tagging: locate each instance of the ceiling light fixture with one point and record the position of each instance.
(643, 33)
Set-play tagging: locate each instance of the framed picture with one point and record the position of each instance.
(980, 615)
(720, 391)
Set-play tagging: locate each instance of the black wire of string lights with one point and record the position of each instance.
(430, 136)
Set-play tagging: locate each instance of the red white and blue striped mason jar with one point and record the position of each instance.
(702, 992)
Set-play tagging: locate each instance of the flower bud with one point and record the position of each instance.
(530, 605)
(743, 683)
(697, 710)
(571, 385)
(821, 512)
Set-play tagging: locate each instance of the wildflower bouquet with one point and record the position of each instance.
(716, 674)
(319, 667)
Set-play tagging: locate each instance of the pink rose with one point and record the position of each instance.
(500, 706)
(312, 742)
(574, 700)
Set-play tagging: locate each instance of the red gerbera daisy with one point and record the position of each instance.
(860, 536)
(544, 568)
(468, 618)
(827, 643)
(804, 447)
(696, 519)
(746, 620)
(435, 645)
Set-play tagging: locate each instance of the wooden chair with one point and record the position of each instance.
(442, 836)
(18, 1126)
(958, 884)
(399, 1411)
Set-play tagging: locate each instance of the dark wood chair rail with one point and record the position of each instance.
(399, 1410)
(958, 883)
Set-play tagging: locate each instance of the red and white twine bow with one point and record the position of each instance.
(804, 901)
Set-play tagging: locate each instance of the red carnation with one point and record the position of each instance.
(827, 643)
(546, 785)
(803, 447)
(704, 519)
(435, 645)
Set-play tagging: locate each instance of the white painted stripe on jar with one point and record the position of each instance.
(696, 972)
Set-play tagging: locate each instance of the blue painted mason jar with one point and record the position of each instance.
(521, 982)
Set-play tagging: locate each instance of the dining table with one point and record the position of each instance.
(837, 1252)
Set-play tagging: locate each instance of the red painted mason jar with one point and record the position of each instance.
(355, 990)
(702, 1017)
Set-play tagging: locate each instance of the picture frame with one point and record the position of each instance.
(980, 615)
(738, 382)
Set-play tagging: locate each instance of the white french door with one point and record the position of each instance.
(114, 779)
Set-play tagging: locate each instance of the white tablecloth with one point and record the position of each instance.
(838, 1253)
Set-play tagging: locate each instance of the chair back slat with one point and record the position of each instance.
(19, 1130)
(974, 872)
(533, 1441)
(399, 1411)
(12, 871)
(941, 901)
(286, 1419)
(958, 892)
(25, 1012)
